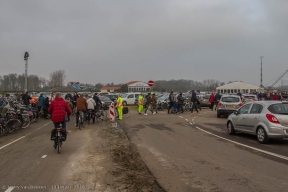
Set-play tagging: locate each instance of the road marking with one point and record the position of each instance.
(23, 137)
(186, 119)
(260, 150)
(44, 156)
(180, 116)
(9, 189)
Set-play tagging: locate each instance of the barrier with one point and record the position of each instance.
(112, 115)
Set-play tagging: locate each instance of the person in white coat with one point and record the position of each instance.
(91, 103)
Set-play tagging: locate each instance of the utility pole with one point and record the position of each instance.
(261, 80)
(26, 55)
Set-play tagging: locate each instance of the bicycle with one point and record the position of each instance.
(81, 120)
(59, 137)
(91, 116)
(9, 125)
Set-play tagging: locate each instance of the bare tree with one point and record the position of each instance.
(57, 79)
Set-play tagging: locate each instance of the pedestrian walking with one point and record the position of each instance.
(140, 103)
(171, 102)
(148, 104)
(154, 102)
(211, 100)
(217, 99)
(26, 98)
(70, 105)
(51, 98)
(40, 102)
(194, 101)
(180, 100)
(46, 107)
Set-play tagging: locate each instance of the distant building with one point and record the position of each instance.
(111, 89)
(239, 87)
(138, 86)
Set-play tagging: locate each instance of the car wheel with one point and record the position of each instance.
(230, 128)
(218, 115)
(124, 103)
(261, 135)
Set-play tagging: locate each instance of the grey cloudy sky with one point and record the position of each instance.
(122, 40)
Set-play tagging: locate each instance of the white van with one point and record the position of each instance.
(129, 98)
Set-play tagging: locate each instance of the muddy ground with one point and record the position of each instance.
(112, 163)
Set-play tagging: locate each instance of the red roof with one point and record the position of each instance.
(131, 82)
(110, 88)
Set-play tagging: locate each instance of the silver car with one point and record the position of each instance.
(249, 98)
(228, 104)
(265, 119)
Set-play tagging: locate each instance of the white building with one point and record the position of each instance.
(239, 87)
(138, 86)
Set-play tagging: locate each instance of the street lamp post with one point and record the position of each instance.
(261, 80)
(26, 55)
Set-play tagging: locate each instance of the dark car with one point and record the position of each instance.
(204, 100)
(105, 100)
(112, 97)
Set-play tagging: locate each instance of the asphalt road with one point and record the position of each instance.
(193, 152)
(30, 163)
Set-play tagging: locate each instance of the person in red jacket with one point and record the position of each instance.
(211, 100)
(58, 110)
(274, 96)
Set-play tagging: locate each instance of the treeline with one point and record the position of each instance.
(15, 82)
(185, 85)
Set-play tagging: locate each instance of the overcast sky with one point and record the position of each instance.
(123, 40)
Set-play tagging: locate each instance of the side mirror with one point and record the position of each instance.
(235, 112)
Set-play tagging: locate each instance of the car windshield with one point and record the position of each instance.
(230, 99)
(279, 108)
(206, 96)
(249, 97)
(103, 98)
(125, 95)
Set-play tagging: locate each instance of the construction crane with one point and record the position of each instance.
(279, 78)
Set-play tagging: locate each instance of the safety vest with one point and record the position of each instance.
(119, 102)
(140, 100)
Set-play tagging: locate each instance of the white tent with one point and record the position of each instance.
(239, 87)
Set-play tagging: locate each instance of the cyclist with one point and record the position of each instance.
(91, 103)
(58, 110)
(81, 105)
(74, 99)
(97, 101)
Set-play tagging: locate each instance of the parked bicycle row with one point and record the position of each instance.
(14, 115)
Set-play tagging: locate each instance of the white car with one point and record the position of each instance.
(129, 98)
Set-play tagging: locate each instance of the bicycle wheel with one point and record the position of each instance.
(58, 142)
(2, 130)
(98, 119)
(25, 121)
(13, 125)
(79, 122)
(88, 119)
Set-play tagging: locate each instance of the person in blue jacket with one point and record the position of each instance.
(40, 102)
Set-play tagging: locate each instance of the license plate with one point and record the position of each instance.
(230, 106)
(248, 100)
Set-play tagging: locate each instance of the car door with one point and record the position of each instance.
(253, 118)
(130, 99)
(240, 120)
